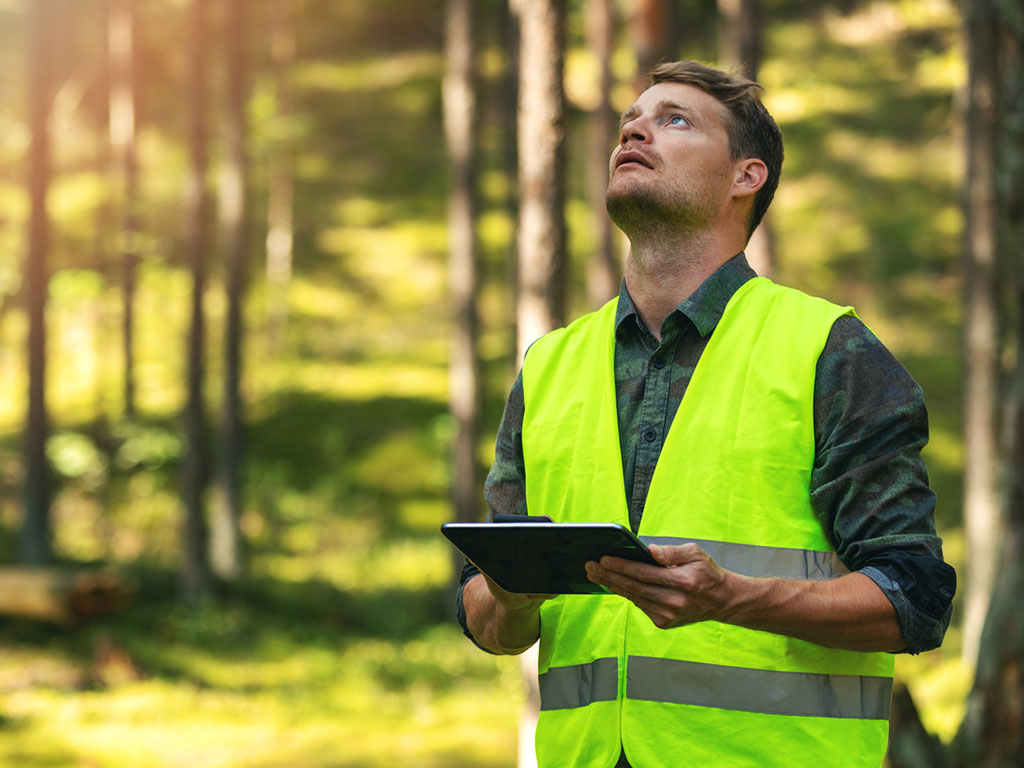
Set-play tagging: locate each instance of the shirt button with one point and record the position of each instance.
(651, 435)
(659, 363)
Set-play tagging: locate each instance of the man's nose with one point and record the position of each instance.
(633, 130)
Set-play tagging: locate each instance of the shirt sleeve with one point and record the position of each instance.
(869, 485)
(505, 486)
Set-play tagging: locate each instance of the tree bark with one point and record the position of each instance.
(460, 121)
(993, 730)
(541, 303)
(121, 41)
(508, 28)
(195, 567)
(605, 272)
(35, 540)
(652, 35)
(740, 47)
(739, 35)
(226, 541)
(280, 182)
(912, 746)
(542, 251)
(982, 515)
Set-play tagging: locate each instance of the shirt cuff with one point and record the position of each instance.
(921, 631)
(468, 572)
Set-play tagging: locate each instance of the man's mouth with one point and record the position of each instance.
(632, 157)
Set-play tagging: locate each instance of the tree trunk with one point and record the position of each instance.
(104, 227)
(651, 32)
(910, 744)
(740, 47)
(508, 28)
(605, 272)
(993, 730)
(35, 529)
(121, 40)
(739, 35)
(280, 182)
(982, 516)
(226, 543)
(542, 253)
(460, 121)
(195, 568)
(541, 303)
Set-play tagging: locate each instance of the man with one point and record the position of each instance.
(764, 441)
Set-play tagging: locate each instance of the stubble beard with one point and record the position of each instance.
(644, 211)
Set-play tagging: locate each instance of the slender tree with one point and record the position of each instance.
(604, 272)
(121, 42)
(226, 541)
(460, 122)
(541, 300)
(982, 515)
(739, 34)
(508, 107)
(541, 124)
(195, 568)
(104, 212)
(280, 173)
(35, 529)
(740, 44)
(992, 732)
(653, 36)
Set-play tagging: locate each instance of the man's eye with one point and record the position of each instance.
(677, 120)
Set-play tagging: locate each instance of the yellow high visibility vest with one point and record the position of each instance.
(734, 476)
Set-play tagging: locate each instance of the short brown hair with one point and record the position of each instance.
(752, 131)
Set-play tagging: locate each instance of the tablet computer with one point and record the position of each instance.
(541, 557)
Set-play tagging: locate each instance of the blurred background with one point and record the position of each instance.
(261, 301)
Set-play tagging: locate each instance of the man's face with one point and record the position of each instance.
(672, 163)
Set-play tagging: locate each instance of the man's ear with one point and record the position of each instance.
(751, 174)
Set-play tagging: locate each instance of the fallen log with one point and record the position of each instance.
(61, 595)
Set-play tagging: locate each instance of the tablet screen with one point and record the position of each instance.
(544, 558)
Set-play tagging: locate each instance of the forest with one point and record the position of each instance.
(268, 270)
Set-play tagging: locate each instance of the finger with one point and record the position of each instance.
(626, 585)
(650, 574)
(678, 554)
(648, 598)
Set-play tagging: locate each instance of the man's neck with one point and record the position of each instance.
(662, 275)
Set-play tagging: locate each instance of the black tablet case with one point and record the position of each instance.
(542, 557)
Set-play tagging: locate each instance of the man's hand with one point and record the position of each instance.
(503, 622)
(515, 601)
(692, 588)
(849, 612)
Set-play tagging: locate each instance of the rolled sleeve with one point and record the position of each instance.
(869, 485)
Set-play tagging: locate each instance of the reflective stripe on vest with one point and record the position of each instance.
(758, 690)
(713, 685)
(579, 685)
(765, 562)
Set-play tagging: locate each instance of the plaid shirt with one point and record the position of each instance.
(869, 486)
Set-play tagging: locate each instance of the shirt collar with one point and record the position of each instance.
(705, 306)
